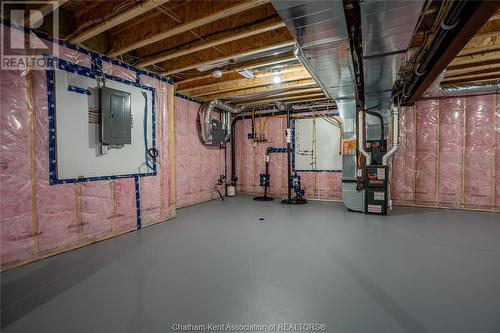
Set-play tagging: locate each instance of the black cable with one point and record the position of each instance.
(179, 47)
(220, 194)
(153, 153)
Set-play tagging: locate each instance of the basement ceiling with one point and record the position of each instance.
(201, 45)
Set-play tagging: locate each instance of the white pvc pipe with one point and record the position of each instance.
(395, 136)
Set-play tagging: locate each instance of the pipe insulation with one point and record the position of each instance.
(450, 90)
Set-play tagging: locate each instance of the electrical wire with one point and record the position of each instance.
(150, 154)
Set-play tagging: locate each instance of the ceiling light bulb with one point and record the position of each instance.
(217, 74)
(276, 79)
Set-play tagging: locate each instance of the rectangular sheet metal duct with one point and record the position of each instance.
(320, 30)
(387, 28)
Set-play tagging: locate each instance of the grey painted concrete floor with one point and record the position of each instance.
(417, 270)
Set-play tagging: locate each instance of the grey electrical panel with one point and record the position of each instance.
(115, 117)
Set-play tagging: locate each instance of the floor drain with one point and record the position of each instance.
(261, 219)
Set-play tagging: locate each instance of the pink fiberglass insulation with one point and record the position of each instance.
(96, 209)
(454, 136)
(451, 138)
(124, 214)
(479, 152)
(17, 239)
(121, 72)
(426, 154)
(39, 219)
(198, 166)
(397, 172)
(250, 163)
(56, 212)
(410, 161)
(154, 201)
(404, 162)
(497, 152)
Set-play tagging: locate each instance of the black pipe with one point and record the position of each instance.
(379, 116)
(267, 173)
(264, 115)
(454, 16)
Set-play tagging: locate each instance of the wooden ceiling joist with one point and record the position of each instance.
(118, 19)
(473, 69)
(34, 17)
(189, 26)
(278, 92)
(293, 85)
(230, 57)
(205, 45)
(84, 9)
(468, 60)
(260, 74)
(296, 100)
(461, 78)
(474, 81)
(477, 50)
(245, 83)
(289, 95)
(255, 64)
(282, 99)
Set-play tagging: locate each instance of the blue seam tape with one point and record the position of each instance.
(192, 99)
(278, 150)
(86, 52)
(138, 202)
(52, 134)
(79, 90)
(84, 71)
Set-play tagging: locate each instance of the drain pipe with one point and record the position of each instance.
(395, 135)
(361, 140)
(392, 151)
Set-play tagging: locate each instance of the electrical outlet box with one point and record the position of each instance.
(115, 116)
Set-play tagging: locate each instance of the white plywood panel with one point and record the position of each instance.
(317, 145)
(78, 147)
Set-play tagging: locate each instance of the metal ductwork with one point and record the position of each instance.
(210, 125)
(322, 43)
(387, 29)
(322, 46)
